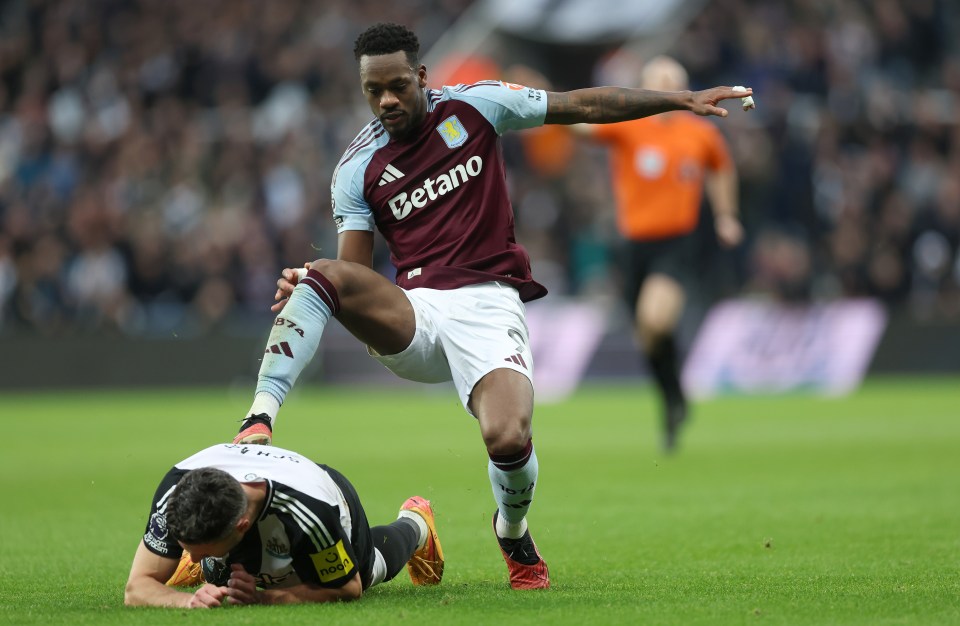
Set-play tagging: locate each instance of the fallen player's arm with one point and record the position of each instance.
(146, 585)
(305, 592)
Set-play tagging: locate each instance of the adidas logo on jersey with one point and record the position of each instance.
(433, 188)
(390, 174)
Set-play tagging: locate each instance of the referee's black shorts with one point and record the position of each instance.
(672, 256)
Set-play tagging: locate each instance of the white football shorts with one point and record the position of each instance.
(462, 335)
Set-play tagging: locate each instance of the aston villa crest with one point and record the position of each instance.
(453, 132)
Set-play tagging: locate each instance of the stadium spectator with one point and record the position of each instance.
(271, 527)
(661, 167)
(457, 313)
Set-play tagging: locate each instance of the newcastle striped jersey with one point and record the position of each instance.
(306, 532)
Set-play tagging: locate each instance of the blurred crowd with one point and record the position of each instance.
(161, 160)
(849, 166)
(854, 187)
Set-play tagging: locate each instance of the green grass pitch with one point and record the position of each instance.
(785, 510)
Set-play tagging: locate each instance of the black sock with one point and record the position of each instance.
(666, 370)
(397, 541)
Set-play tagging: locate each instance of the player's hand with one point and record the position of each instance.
(242, 587)
(289, 278)
(207, 597)
(729, 230)
(705, 102)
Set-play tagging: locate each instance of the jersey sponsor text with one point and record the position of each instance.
(403, 203)
(332, 563)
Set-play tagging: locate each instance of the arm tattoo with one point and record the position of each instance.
(603, 105)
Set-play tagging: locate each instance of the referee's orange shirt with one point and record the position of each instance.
(658, 169)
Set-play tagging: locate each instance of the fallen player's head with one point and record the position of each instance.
(206, 507)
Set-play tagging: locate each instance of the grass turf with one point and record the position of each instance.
(777, 510)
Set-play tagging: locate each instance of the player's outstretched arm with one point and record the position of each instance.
(605, 105)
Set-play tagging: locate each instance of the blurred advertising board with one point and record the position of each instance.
(564, 336)
(751, 346)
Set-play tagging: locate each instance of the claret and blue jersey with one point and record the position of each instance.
(439, 197)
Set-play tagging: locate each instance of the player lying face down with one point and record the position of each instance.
(269, 526)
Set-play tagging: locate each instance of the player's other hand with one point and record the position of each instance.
(289, 278)
(705, 102)
(729, 230)
(242, 587)
(207, 597)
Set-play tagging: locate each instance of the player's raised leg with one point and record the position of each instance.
(368, 305)
(503, 404)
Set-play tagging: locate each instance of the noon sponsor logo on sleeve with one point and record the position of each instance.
(332, 563)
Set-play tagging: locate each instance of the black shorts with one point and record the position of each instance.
(360, 535)
(673, 256)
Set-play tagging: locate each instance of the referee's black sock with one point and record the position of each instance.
(666, 371)
(396, 541)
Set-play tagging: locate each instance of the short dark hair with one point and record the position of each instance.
(386, 38)
(205, 505)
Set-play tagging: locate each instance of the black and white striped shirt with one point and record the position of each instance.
(305, 533)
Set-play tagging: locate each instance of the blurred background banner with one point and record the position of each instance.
(749, 346)
(563, 338)
(160, 162)
(588, 21)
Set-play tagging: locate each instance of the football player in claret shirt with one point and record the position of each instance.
(264, 525)
(428, 174)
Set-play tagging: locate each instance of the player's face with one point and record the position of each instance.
(394, 91)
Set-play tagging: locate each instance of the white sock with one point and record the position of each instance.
(506, 530)
(421, 524)
(293, 342)
(265, 404)
(513, 491)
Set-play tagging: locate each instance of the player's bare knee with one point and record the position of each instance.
(506, 440)
(337, 272)
(327, 267)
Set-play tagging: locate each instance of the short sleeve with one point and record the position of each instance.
(350, 209)
(506, 106)
(157, 536)
(325, 557)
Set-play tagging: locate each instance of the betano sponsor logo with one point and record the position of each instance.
(432, 188)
